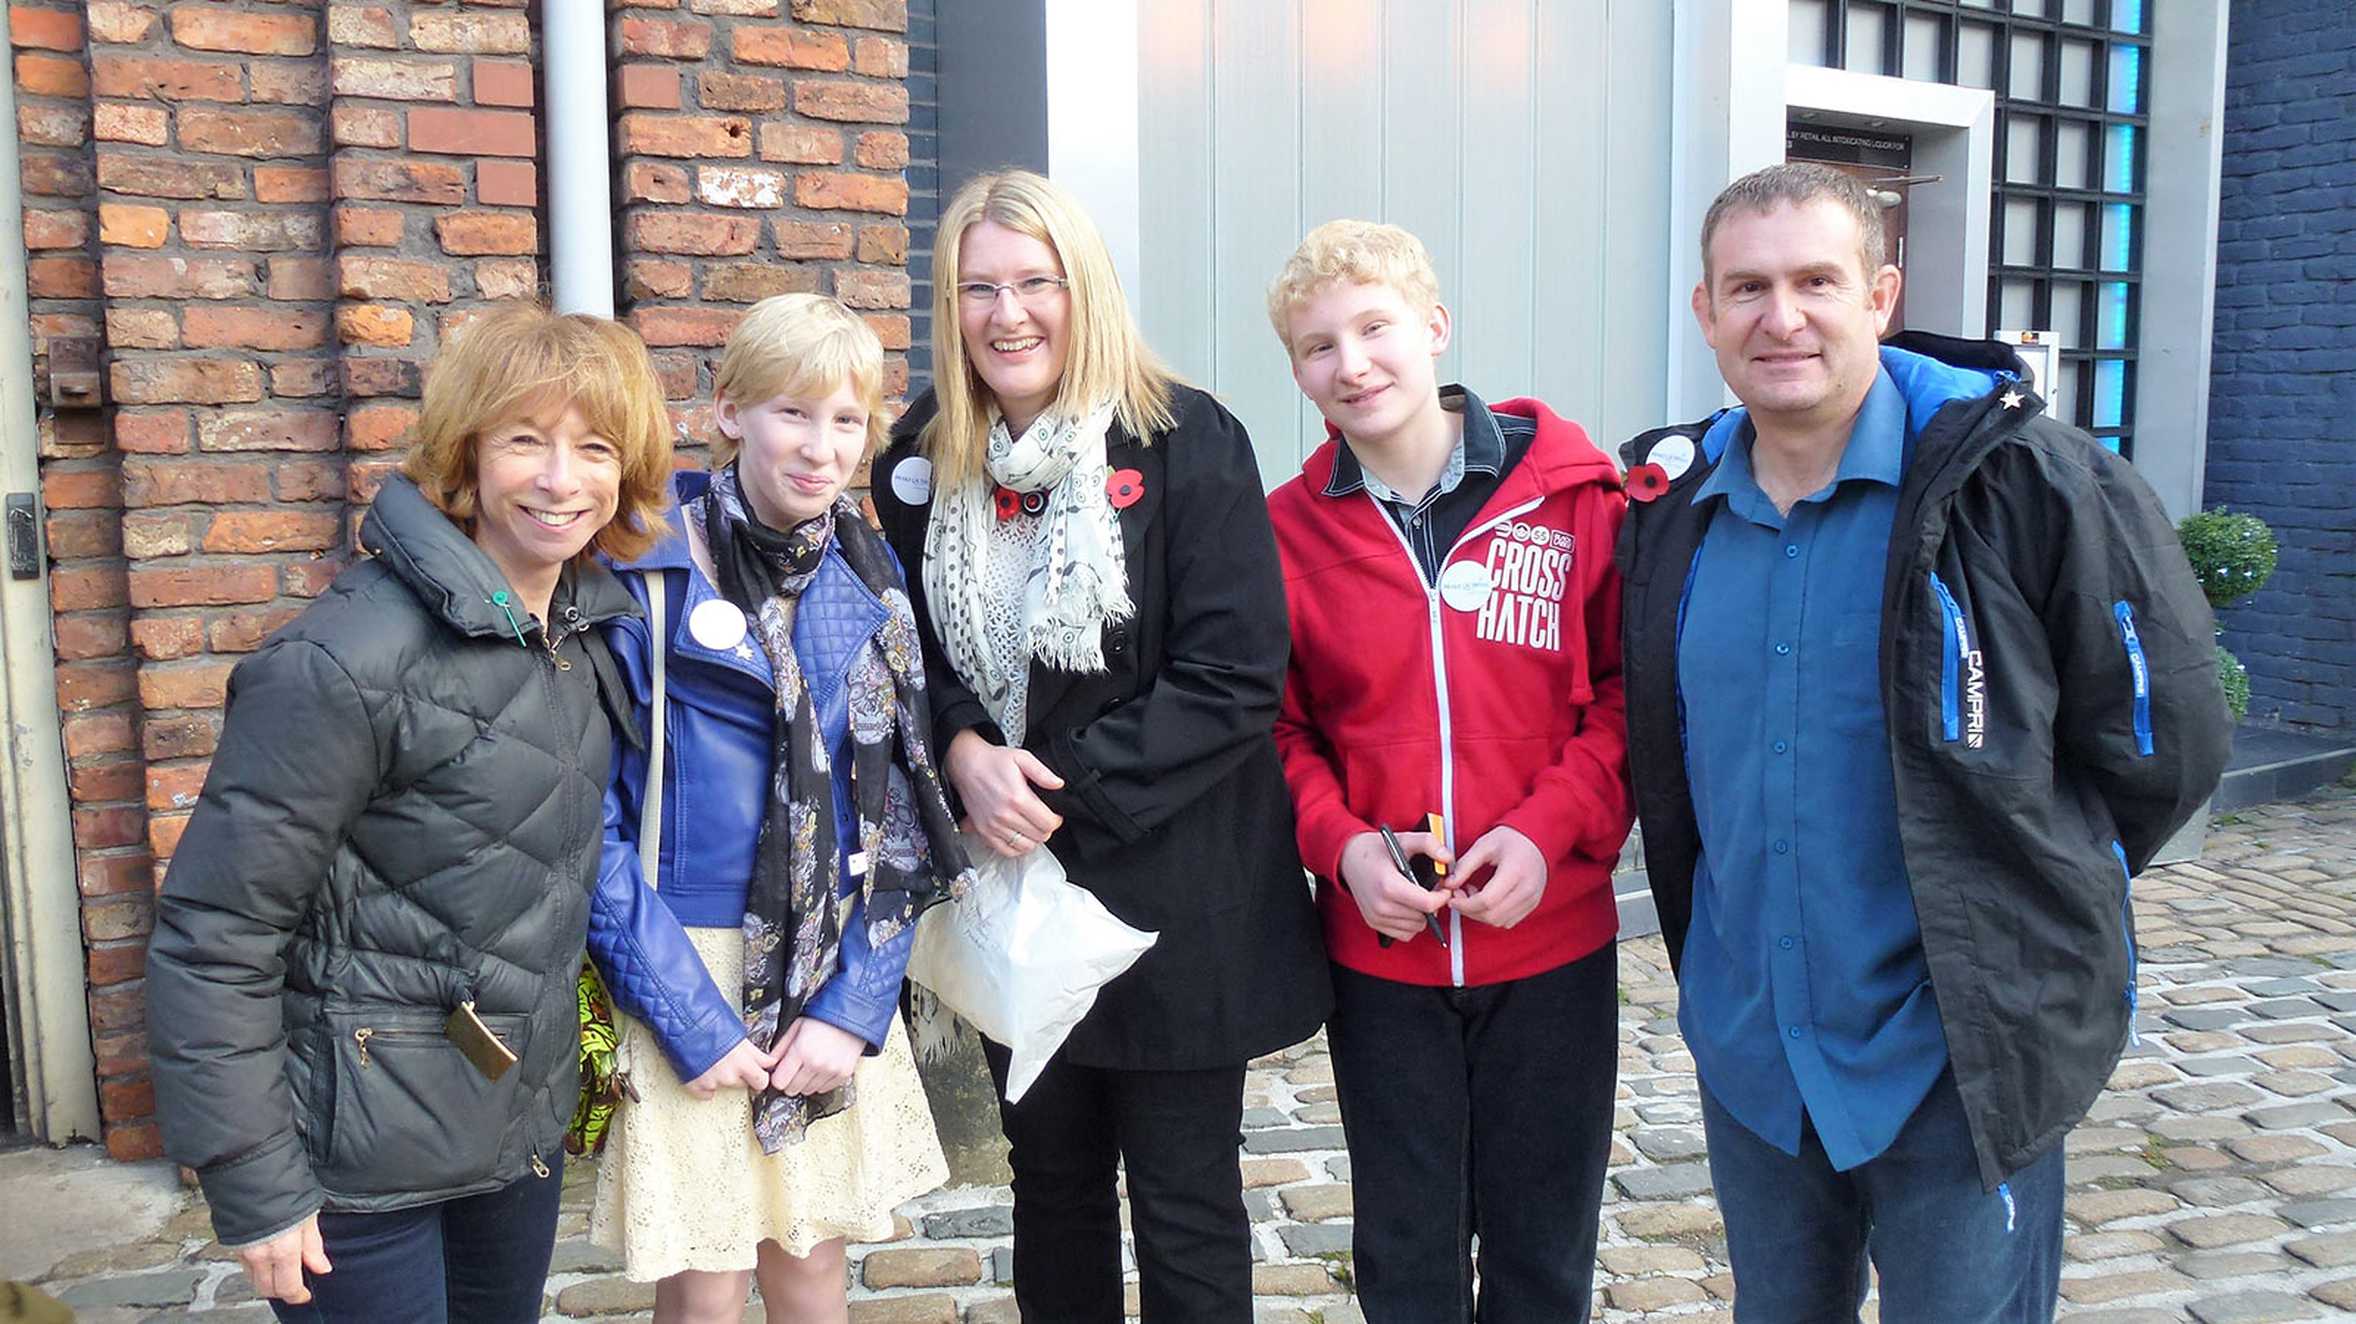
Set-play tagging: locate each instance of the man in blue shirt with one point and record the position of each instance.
(1897, 742)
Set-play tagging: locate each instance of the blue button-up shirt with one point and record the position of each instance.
(1804, 982)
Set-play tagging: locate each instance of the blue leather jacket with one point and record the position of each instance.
(717, 765)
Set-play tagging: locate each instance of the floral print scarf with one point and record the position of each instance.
(793, 918)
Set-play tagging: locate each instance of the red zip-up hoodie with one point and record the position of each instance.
(1490, 696)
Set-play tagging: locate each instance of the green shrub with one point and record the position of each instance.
(2233, 555)
(2236, 679)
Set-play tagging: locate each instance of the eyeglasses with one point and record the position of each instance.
(1032, 291)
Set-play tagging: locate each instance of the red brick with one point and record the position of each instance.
(302, 378)
(802, 144)
(249, 132)
(252, 232)
(80, 489)
(79, 637)
(51, 76)
(807, 240)
(166, 80)
(365, 126)
(826, 190)
(502, 83)
(244, 631)
(308, 480)
(472, 34)
(134, 1142)
(696, 233)
(120, 21)
(677, 373)
(152, 533)
(86, 589)
(55, 175)
(163, 836)
(380, 376)
(753, 92)
(474, 233)
(400, 181)
(192, 381)
(272, 531)
(288, 82)
(390, 278)
(160, 177)
(61, 278)
(52, 126)
(745, 282)
(829, 99)
(117, 1009)
(189, 735)
(164, 638)
(507, 278)
(200, 586)
(97, 829)
(309, 579)
(115, 963)
(149, 483)
(106, 875)
(653, 278)
(650, 87)
(122, 122)
(884, 243)
(83, 533)
(128, 916)
(252, 34)
(862, 288)
(152, 432)
(686, 135)
(881, 149)
(380, 427)
(362, 25)
(472, 132)
(299, 278)
(685, 326)
(290, 184)
(740, 186)
(880, 57)
(890, 328)
(204, 327)
(44, 29)
(393, 80)
(192, 684)
(133, 276)
(273, 429)
(82, 686)
(363, 227)
(654, 181)
(374, 324)
(506, 183)
(665, 39)
(791, 48)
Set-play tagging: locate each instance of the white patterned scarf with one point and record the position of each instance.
(1078, 583)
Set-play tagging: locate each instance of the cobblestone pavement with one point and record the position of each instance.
(2215, 1182)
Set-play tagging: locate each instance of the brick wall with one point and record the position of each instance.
(274, 213)
(2283, 384)
(924, 183)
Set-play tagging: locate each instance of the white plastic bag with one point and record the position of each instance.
(1021, 956)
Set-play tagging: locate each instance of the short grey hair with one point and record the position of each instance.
(1798, 183)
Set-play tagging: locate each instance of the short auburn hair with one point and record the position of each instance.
(1359, 252)
(521, 361)
(800, 345)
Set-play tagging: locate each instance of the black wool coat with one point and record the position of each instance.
(1174, 804)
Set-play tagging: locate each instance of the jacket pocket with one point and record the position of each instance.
(2127, 933)
(1956, 647)
(2139, 673)
(412, 1114)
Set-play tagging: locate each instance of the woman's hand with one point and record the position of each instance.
(744, 1068)
(995, 783)
(817, 1057)
(275, 1267)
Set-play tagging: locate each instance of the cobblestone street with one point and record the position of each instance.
(2215, 1182)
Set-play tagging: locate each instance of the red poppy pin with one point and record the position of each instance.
(1009, 503)
(1124, 486)
(1647, 481)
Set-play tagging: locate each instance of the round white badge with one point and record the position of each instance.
(1465, 585)
(1674, 454)
(717, 624)
(912, 481)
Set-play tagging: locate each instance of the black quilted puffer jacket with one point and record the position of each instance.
(403, 816)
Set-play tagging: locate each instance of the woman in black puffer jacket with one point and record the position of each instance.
(384, 888)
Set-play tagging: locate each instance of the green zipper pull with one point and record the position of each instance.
(499, 600)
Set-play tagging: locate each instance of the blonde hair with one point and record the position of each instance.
(520, 361)
(800, 345)
(1361, 252)
(1105, 358)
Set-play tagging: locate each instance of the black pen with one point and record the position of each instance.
(1399, 862)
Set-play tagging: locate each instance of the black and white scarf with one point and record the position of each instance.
(792, 919)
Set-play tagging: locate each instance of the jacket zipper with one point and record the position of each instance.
(1951, 662)
(2139, 671)
(2127, 933)
(1431, 600)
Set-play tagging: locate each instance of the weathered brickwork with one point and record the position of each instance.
(272, 213)
(2283, 385)
(924, 182)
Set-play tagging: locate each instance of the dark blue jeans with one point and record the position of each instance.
(1481, 1112)
(482, 1259)
(1800, 1234)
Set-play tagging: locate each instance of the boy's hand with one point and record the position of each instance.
(1392, 905)
(995, 783)
(1508, 895)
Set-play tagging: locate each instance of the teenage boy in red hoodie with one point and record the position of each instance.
(1456, 651)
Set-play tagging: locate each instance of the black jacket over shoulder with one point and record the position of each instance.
(1174, 805)
(2049, 680)
(403, 815)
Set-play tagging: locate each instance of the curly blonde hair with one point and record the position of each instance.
(1360, 252)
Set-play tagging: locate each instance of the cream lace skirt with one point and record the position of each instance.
(683, 1184)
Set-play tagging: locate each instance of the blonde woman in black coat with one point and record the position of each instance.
(1091, 562)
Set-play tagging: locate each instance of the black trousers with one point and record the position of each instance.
(1178, 1132)
(1477, 1112)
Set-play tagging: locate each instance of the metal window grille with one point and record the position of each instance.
(2072, 85)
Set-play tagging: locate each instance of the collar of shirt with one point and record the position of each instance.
(1481, 451)
(1875, 453)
